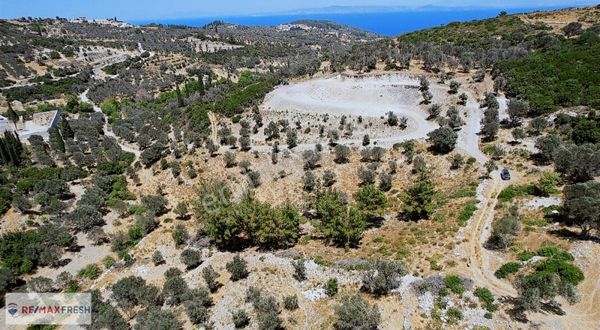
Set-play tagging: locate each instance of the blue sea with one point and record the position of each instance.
(385, 23)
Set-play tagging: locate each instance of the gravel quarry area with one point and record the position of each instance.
(373, 96)
(367, 96)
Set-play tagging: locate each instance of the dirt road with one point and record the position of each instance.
(478, 232)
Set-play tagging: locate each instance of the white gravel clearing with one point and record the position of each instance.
(542, 202)
(374, 96)
(369, 96)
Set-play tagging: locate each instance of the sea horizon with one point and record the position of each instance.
(383, 23)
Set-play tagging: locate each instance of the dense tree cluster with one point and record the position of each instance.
(246, 222)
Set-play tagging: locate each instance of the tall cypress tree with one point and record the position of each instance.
(201, 84)
(179, 98)
(10, 149)
(12, 115)
(66, 130)
(56, 140)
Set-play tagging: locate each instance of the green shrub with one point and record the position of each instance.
(319, 260)
(473, 34)
(290, 302)
(506, 269)
(555, 253)
(526, 255)
(512, 191)
(487, 298)
(567, 271)
(454, 283)
(91, 271)
(240, 319)
(108, 261)
(137, 210)
(535, 222)
(469, 191)
(454, 314)
(331, 287)
(467, 212)
(73, 287)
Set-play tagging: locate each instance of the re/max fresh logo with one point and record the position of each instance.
(49, 309)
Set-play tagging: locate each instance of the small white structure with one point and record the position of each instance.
(38, 125)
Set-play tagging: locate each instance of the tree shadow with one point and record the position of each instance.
(538, 159)
(571, 235)
(375, 222)
(516, 312)
(437, 152)
(62, 263)
(552, 307)
(184, 217)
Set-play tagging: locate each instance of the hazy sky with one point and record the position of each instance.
(148, 9)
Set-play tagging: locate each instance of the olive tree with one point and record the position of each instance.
(190, 258)
(210, 277)
(238, 268)
(299, 270)
(156, 318)
(454, 86)
(578, 163)
(547, 146)
(342, 154)
(582, 205)
(442, 139)
(356, 313)
(490, 124)
(311, 159)
(517, 109)
(180, 235)
(434, 111)
(504, 231)
(383, 276)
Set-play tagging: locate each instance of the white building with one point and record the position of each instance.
(38, 125)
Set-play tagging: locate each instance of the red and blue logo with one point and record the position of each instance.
(12, 308)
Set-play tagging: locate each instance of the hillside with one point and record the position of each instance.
(305, 176)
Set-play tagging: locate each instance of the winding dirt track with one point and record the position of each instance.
(479, 230)
(584, 315)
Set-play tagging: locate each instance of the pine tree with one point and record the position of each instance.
(419, 199)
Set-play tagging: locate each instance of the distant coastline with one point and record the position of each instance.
(384, 23)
